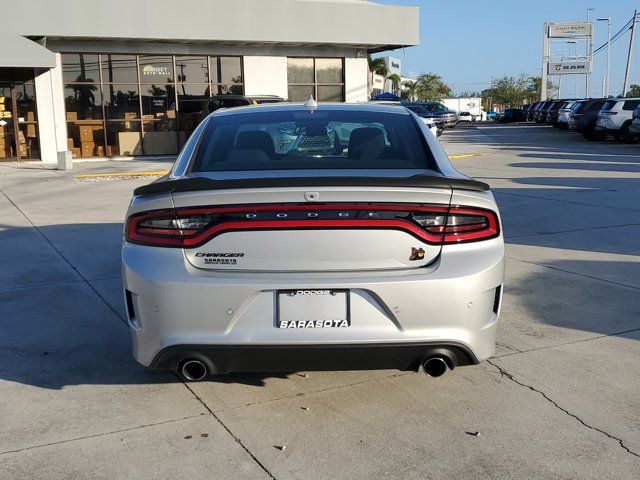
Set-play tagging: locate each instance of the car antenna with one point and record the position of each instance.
(311, 104)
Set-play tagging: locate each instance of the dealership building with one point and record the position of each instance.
(130, 77)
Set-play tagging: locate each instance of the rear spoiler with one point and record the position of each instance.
(193, 184)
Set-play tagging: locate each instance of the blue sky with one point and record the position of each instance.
(468, 41)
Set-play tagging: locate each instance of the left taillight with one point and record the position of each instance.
(165, 228)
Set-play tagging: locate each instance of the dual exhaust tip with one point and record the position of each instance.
(435, 366)
(195, 370)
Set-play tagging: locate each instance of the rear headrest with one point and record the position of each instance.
(366, 143)
(255, 140)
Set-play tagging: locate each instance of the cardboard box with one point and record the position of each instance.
(2, 107)
(76, 152)
(99, 151)
(69, 143)
(5, 151)
(72, 116)
(109, 151)
(86, 133)
(23, 150)
(129, 143)
(88, 149)
(130, 115)
(31, 130)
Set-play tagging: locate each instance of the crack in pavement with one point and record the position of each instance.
(614, 334)
(228, 430)
(102, 434)
(504, 373)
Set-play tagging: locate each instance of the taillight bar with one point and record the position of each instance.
(192, 227)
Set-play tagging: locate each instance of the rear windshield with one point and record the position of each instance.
(302, 140)
(609, 104)
(578, 106)
(597, 105)
(630, 104)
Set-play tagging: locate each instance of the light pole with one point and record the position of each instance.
(608, 20)
(574, 57)
(589, 48)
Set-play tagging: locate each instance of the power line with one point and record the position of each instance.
(618, 35)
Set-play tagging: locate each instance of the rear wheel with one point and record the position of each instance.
(592, 134)
(627, 136)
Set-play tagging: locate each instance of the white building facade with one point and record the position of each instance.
(123, 77)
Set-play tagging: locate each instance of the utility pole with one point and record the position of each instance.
(545, 62)
(626, 73)
(608, 20)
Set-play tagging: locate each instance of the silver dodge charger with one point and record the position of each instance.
(297, 237)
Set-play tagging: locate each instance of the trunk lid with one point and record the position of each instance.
(339, 228)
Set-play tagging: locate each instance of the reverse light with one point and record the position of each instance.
(192, 227)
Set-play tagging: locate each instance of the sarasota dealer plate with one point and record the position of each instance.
(312, 308)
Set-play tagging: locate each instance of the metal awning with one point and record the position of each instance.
(20, 52)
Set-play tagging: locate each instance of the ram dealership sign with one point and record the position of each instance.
(562, 30)
(569, 68)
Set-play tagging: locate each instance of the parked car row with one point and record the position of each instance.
(595, 118)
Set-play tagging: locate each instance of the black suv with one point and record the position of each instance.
(584, 114)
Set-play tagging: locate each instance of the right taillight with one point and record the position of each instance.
(463, 224)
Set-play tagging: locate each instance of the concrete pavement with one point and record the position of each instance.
(560, 399)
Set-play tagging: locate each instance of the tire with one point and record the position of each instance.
(591, 133)
(627, 136)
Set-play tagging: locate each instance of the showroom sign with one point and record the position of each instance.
(562, 30)
(154, 71)
(569, 68)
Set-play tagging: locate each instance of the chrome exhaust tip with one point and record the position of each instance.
(194, 370)
(435, 366)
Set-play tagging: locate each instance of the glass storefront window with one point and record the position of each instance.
(329, 93)
(80, 67)
(140, 102)
(320, 77)
(300, 93)
(122, 101)
(119, 69)
(300, 70)
(156, 69)
(230, 70)
(83, 101)
(192, 69)
(18, 122)
(329, 70)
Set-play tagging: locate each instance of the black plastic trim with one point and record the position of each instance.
(291, 358)
(192, 184)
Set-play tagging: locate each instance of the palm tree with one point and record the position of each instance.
(377, 67)
(410, 88)
(395, 80)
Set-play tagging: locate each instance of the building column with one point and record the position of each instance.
(52, 128)
(356, 75)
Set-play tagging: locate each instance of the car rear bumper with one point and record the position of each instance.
(175, 309)
(286, 358)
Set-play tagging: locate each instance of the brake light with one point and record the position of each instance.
(192, 227)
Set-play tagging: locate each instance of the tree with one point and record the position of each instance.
(431, 87)
(634, 91)
(395, 80)
(377, 66)
(535, 88)
(410, 90)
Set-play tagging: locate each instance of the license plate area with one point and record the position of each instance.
(312, 308)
